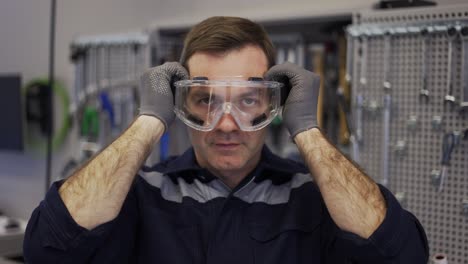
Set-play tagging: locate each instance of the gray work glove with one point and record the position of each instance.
(302, 90)
(156, 98)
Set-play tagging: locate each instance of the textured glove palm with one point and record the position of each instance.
(300, 108)
(156, 98)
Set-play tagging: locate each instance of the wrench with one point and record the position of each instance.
(387, 102)
(92, 77)
(387, 61)
(98, 68)
(452, 34)
(356, 136)
(464, 73)
(108, 65)
(450, 141)
(362, 85)
(349, 57)
(78, 59)
(363, 73)
(85, 76)
(426, 41)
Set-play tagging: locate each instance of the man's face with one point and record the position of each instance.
(226, 150)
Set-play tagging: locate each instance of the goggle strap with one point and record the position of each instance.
(259, 119)
(195, 120)
(255, 79)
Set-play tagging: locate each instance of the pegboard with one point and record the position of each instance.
(113, 58)
(415, 138)
(107, 72)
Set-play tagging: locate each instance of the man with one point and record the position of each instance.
(228, 199)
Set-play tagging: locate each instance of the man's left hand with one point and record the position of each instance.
(300, 108)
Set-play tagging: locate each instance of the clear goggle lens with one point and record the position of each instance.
(253, 103)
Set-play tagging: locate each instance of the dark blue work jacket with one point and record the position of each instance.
(177, 212)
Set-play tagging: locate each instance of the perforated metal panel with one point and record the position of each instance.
(411, 123)
(112, 59)
(107, 72)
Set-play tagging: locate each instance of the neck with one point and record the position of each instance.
(233, 177)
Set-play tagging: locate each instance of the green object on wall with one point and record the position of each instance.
(61, 93)
(90, 123)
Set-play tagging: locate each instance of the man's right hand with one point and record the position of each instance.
(156, 98)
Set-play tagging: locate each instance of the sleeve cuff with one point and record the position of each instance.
(62, 231)
(390, 236)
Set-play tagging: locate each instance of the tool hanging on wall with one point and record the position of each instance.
(387, 104)
(465, 207)
(78, 58)
(108, 108)
(464, 69)
(357, 138)
(362, 86)
(400, 148)
(425, 43)
(439, 258)
(318, 67)
(374, 104)
(344, 114)
(412, 123)
(450, 141)
(91, 123)
(451, 35)
(349, 57)
(90, 129)
(343, 92)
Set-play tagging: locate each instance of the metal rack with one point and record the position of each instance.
(107, 62)
(105, 92)
(408, 70)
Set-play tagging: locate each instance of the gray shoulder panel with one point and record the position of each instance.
(263, 192)
(267, 192)
(176, 192)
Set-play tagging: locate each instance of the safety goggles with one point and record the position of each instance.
(200, 103)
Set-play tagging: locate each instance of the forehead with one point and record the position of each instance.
(226, 91)
(249, 61)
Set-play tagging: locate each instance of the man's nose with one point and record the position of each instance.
(227, 123)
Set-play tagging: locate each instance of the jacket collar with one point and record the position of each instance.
(269, 165)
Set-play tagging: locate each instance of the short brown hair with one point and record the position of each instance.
(220, 34)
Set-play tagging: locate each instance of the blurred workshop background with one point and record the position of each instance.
(394, 93)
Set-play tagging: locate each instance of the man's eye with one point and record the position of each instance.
(205, 101)
(249, 101)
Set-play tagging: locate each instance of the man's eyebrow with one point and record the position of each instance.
(250, 93)
(199, 93)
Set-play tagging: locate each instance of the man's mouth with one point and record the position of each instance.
(226, 145)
